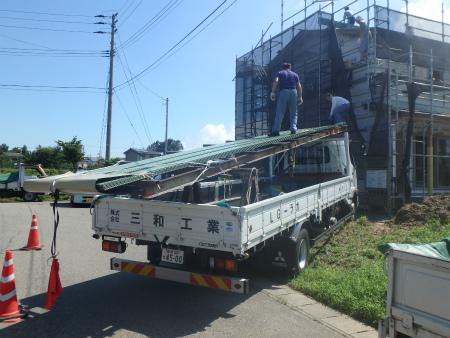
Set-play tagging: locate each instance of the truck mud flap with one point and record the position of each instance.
(238, 285)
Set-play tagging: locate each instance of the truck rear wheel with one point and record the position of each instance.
(29, 196)
(302, 250)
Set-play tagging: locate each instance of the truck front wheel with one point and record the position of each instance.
(29, 196)
(302, 250)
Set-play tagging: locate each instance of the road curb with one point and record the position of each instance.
(312, 309)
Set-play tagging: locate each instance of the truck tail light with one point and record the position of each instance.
(118, 247)
(222, 264)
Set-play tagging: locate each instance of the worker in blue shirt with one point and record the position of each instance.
(290, 96)
(339, 106)
(348, 14)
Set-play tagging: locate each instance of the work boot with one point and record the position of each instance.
(274, 133)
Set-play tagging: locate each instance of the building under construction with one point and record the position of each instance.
(399, 120)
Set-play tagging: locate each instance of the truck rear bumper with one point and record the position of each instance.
(238, 285)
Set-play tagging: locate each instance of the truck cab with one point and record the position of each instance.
(11, 185)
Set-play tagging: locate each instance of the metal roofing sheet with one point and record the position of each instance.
(104, 179)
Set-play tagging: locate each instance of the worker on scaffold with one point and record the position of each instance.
(290, 96)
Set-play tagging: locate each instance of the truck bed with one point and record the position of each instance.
(418, 295)
(230, 229)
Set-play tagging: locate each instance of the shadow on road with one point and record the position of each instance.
(142, 305)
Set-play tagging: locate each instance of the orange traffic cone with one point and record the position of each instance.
(10, 311)
(33, 238)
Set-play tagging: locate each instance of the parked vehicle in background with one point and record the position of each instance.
(77, 200)
(11, 185)
(418, 290)
(83, 199)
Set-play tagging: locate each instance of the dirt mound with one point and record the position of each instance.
(415, 214)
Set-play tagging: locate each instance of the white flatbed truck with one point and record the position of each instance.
(202, 244)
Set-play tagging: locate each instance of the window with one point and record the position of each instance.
(443, 163)
(419, 162)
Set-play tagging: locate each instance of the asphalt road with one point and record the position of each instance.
(98, 302)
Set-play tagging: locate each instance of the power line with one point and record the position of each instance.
(126, 10)
(28, 43)
(131, 12)
(50, 53)
(83, 16)
(141, 111)
(52, 88)
(138, 104)
(53, 21)
(47, 29)
(142, 144)
(142, 73)
(168, 57)
(152, 23)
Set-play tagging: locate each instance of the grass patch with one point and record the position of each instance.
(346, 270)
(39, 198)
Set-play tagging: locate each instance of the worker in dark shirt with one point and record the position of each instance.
(290, 96)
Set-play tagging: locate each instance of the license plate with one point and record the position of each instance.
(89, 199)
(172, 256)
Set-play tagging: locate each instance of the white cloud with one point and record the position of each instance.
(429, 9)
(211, 134)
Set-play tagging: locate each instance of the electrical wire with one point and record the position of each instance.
(131, 12)
(48, 29)
(142, 144)
(152, 23)
(138, 105)
(9, 10)
(50, 53)
(55, 21)
(146, 70)
(52, 88)
(105, 108)
(141, 111)
(168, 57)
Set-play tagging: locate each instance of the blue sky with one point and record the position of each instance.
(48, 45)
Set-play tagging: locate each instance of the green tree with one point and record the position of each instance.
(112, 161)
(172, 145)
(3, 148)
(21, 150)
(72, 151)
(6, 161)
(48, 157)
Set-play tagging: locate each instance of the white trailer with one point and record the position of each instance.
(202, 244)
(418, 295)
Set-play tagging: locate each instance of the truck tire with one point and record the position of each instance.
(29, 196)
(302, 251)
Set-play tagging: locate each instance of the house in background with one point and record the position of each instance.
(90, 162)
(134, 154)
(399, 118)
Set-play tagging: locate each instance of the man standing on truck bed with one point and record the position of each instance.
(289, 89)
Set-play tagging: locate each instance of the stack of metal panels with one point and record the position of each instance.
(104, 179)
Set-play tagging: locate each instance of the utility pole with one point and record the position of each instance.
(167, 122)
(110, 91)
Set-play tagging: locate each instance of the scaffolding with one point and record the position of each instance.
(399, 116)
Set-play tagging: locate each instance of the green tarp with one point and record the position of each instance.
(8, 178)
(438, 249)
